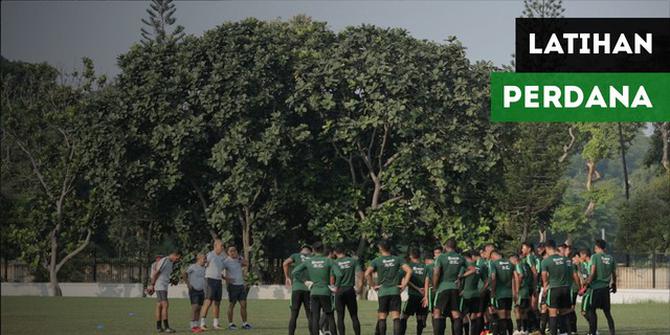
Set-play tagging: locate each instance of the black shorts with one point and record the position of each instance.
(213, 289)
(237, 293)
(346, 297)
(414, 306)
(448, 300)
(485, 301)
(161, 295)
(197, 297)
(523, 303)
(504, 304)
(600, 298)
(300, 298)
(472, 305)
(559, 297)
(389, 303)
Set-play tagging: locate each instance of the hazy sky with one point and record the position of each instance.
(61, 32)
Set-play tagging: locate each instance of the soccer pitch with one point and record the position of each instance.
(121, 316)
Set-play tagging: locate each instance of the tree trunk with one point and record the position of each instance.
(524, 233)
(246, 234)
(591, 176)
(623, 162)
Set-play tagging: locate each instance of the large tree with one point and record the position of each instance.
(406, 122)
(59, 190)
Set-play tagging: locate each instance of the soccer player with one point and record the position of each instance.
(602, 280)
(575, 285)
(556, 277)
(448, 270)
(160, 280)
(428, 290)
(388, 269)
(523, 286)
(233, 266)
(471, 294)
(348, 282)
(195, 281)
(213, 285)
(528, 257)
(502, 278)
(485, 266)
(299, 291)
(542, 294)
(318, 270)
(584, 272)
(416, 292)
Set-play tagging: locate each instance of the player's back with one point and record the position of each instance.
(347, 271)
(605, 267)
(450, 266)
(388, 273)
(558, 270)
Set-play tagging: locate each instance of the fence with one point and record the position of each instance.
(633, 271)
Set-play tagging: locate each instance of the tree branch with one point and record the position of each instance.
(567, 147)
(36, 168)
(81, 247)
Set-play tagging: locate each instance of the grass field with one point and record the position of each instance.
(114, 316)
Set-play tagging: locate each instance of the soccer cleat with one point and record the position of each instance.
(160, 330)
(246, 326)
(203, 327)
(232, 326)
(170, 330)
(217, 327)
(196, 330)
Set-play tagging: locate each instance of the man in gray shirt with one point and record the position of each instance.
(213, 284)
(195, 280)
(160, 281)
(237, 290)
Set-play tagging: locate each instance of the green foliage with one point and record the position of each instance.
(161, 17)
(543, 8)
(59, 190)
(644, 219)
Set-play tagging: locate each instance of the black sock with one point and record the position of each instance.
(381, 326)
(553, 325)
(519, 324)
(166, 324)
(573, 321)
(510, 326)
(563, 324)
(420, 325)
(397, 327)
(403, 325)
(458, 326)
(158, 325)
(544, 318)
(610, 321)
(466, 326)
(438, 326)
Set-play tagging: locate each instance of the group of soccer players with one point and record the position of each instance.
(476, 289)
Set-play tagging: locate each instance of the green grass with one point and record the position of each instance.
(55, 316)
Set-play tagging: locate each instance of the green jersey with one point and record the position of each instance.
(388, 270)
(418, 278)
(483, 266)
(605, 267)
(574, 286)
(347, 268)
(471, 282)
(298, 281)
(524, 270)
(503, 272)
(450, 266)
(560, 273)
(584, 270)
(318, 269)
